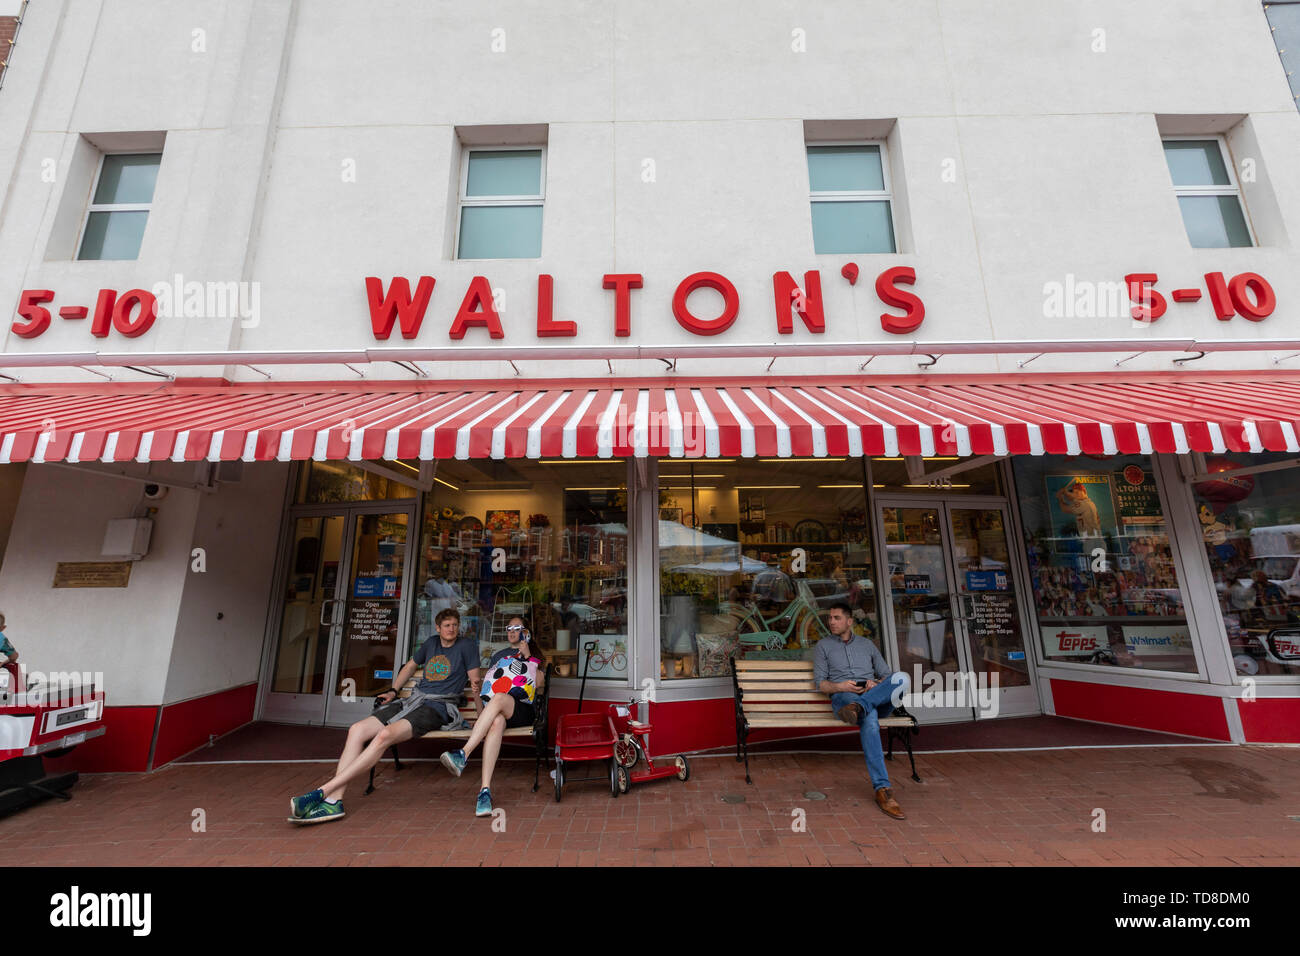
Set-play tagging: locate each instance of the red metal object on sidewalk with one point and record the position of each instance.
(634, 744)
(585, 737)
(41, 719)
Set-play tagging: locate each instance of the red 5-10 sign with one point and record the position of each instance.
(1248, 295)
(132, 313)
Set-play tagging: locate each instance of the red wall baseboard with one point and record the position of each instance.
(1271, 720)
(186, 725)
(123, 747)
(688, 725)
(181, 727)
(1195, 715)
(679, 726)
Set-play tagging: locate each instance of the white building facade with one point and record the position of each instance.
(669, 326)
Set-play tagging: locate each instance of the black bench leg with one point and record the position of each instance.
(397, 765)
(744, 737)
(889, 754)
(907, 740)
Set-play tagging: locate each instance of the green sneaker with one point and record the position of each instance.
(454, 760)
(321, 813)
(483, 806)
(298, 806)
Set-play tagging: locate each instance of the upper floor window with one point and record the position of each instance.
(1207, 193)
(119, 206)
(502, 191)
(851, 198)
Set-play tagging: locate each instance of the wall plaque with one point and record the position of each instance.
(92, 574)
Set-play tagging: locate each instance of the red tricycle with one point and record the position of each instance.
(633, 744)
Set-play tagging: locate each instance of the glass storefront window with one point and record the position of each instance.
(1251, 529)
(327, 482)
(752, 556)
(543, 539)
(301, 655)
(1105, 586)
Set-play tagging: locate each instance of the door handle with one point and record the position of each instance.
(324, 604)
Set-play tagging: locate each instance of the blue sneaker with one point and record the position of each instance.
(483, 806)
(454, 760)
(322, 812)
(299, 806)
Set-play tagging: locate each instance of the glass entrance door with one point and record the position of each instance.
(341, 614)
(371, 614)
(953, 609)
(989, 613)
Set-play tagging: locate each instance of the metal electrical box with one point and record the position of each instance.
(127, 538)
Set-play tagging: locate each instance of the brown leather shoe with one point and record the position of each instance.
(885, 800)
(850, 713)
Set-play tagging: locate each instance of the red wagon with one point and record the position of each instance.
(585, 737)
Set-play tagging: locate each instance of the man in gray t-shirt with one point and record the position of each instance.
(854, 673)
(445, 662)
(444, 670)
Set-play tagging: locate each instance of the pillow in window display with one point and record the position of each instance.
(715, 652)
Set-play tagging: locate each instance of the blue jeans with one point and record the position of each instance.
(875, 703)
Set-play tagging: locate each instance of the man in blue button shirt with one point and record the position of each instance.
(852, 670)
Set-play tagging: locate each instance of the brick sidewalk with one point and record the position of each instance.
(1181, 806)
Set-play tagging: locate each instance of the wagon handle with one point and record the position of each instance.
(582, 689)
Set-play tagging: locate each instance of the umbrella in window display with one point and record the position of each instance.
(1225, 489)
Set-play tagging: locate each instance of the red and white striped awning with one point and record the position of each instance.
(711, 418)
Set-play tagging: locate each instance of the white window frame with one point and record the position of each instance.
(524, 200)
(1232, 189)
(865, 195)
(92, 206)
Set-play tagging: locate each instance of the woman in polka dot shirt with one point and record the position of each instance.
(510, 685)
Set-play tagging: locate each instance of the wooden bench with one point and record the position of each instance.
(782, 694)
(539, 731)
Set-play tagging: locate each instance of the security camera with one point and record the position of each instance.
(154, 492)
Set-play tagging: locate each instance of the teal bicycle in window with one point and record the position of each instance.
(803, 625)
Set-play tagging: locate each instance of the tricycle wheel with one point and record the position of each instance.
(613, 778)
(625, 752)
(559, 778)
(683, 768)
(624, 780)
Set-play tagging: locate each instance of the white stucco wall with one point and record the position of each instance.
(124, 633)
(238, 527)
(1050, 128)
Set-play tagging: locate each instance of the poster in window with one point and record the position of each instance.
(502, 520)
(1081, 506)
(1137, 497)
